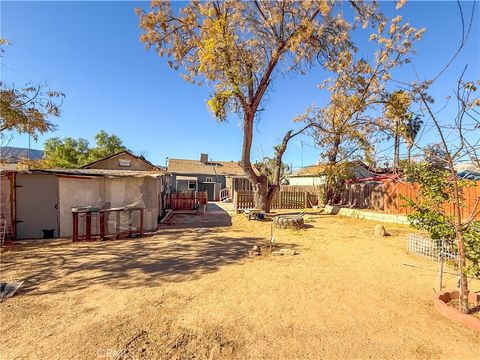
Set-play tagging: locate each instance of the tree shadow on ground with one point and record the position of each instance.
(172, 257)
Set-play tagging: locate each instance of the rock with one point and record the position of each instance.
(287, 251)
(379, 230)
(254, 251)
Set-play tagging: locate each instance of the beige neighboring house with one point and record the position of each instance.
(124, 160)
(313, 175)
(219, 178)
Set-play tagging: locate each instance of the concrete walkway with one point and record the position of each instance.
(215, 216)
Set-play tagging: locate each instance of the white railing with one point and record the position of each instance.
(224, 194)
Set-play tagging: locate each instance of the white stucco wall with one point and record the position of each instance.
(108, 193)
(306, 180)
(75, 192)
(136, 192)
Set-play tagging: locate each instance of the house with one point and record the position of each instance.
(313, 175)
(123, 160)
(219, 178)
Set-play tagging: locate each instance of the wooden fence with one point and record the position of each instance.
(363, 196)
(315, 193)
(283, 200)
(188, 200)
(388, 197)
(395, 204)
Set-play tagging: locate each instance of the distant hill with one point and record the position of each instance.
(13, 155)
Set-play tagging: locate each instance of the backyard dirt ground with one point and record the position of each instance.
(187, 294)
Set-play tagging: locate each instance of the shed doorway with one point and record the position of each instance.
(210, 187)
(36, 205)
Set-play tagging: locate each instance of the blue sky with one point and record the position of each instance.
(91, 52)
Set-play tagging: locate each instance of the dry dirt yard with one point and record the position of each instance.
(183, 294)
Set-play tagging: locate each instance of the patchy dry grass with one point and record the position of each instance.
(184, 294)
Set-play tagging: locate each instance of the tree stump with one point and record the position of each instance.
(288, 222)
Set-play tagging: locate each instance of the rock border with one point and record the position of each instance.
(440, 303)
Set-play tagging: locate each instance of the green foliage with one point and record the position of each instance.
(336, 174)
(436, 188)
(73, 153)
(106, 145)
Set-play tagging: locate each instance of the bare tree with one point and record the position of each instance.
(239, 47)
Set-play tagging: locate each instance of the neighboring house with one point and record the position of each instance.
(219, 178)
(123, 160)
(11, 156)
(313, 175)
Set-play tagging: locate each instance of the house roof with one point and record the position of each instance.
(13, 155)
(319, 169)
(308, 171)
(95, 172)
(227, 168)
(125, 152)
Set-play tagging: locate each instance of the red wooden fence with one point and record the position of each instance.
(188, 200)
(394, 204)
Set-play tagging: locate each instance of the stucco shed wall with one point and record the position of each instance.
(75, 192)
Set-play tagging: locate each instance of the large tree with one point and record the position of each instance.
(72, 153)
(239, 47)
(348, 126)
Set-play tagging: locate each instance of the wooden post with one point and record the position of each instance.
(117, 225)
(141, 222)
(75, 226)
(88, 226)
(305, 195)
(102, 225)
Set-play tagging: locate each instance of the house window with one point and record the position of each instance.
(209, 179)
(192, 185)
(124, 162)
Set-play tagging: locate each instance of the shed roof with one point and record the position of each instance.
(95, 172)
(227, 168)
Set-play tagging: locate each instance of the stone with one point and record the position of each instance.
(254, 251)
(287, 251)
(379, 230)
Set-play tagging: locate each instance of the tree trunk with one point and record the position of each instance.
(260, 194)
(396, 148)
(463, 297)
(409, 152)
(259, 182)
(331, 195)
(457, 195)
